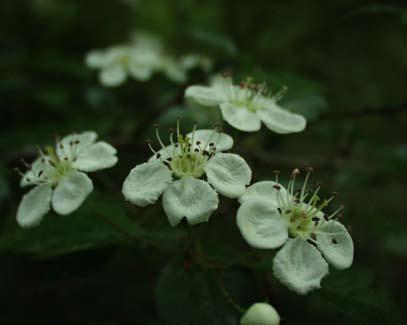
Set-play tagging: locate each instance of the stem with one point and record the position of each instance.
(227, 296)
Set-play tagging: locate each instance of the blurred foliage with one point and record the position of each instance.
(337, 58)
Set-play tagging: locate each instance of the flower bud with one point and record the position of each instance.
(260, 314)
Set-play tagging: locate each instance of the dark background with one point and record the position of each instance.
(345, 65)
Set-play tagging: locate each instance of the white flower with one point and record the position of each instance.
(260, 314)
(271, 216)
(176, 171)
(59, 178)
(117, 63)
(140, 58)
(246, 105)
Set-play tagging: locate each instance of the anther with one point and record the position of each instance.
(295, 172)
(155, 125)
(277, 187)
(77, 142)
(211, 144)
(158, 156)
(334, 241)
(198, 143)
(276, 172)
(334, 194)
(309, 169)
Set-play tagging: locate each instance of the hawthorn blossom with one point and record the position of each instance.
(141, 58)
(59, 176)
(260, 314)
(247, 105)
(176, 171)
(271, 216)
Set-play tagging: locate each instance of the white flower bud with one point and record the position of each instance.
(260, 314)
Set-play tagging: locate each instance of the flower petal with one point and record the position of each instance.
(113, 75)
(164, 154)
(300, 266)
(34, 205)
(97, 156)
(222, 140)
(266, 191)
(73, 144)
(189, 198)
(335, 243)
(33, 175)
(206, 96)
(260, 314)
(261, 225)
(70, 192)
(97, 59)
(140, 71)
(146, 182)
(280, 120)
(229, 174)
(240, 117)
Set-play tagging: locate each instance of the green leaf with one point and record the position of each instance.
(84, 229)
(188, 295)
(354, 293)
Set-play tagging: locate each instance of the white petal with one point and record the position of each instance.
(300, 266)
(174, 70)
(223, 141)
(335, 243)
(97, 59)
(261, 225)
(280, 120)
(206, 96)
(73, 144)
(164, 154)
(189, 198)
(140, 72)
(266, 191)
(260, 314)
(34, 174)
(70, 193)
(146, 182)
(97, 156)
(34, 205)
(240, 117)
(113, 75)
(229, 174)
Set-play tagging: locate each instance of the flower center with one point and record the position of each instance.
(304, 216)
(248, 94)
(186, 156)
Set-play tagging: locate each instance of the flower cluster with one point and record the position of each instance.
(271, 216)
(59, 176)
(246, 105)
(141, 58)
(191, 170)
(176, 171)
